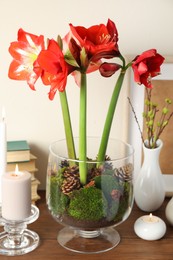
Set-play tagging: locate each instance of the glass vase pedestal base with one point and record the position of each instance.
(16, 238)
(88, 242)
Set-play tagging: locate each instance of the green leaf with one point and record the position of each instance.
(83, 58)
(70, 59)
(59, 41)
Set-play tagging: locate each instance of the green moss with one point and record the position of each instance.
(58, 200)
(92, 203)
(60, 175)
(88, 204)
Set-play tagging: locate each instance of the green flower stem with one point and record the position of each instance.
(67, 125)
(82, 130)
(110, 115)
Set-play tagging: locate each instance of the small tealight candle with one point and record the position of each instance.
(16, 195)
(150, 227)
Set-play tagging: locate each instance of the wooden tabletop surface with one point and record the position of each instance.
(130, 247)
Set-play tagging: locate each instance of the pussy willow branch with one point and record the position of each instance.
(161, 130)
(136, 119)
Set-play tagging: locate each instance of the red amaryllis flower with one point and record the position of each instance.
(25, 52)
(99, 41)
(77, 59)
(55, 69)
(146, 66)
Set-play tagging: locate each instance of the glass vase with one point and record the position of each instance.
(89, 211)
(149, 189)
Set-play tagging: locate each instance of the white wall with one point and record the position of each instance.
(30, 115)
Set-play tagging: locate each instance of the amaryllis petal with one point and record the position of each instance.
(18, 50)
(48, 61)
(112, 30)
(142, 68)
(57, 83)
(93, 66)
(46, 78)
(108, 69)
(136, 75)
(18, 72)
(77, 77)
(31, 39)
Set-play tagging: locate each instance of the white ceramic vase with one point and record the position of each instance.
(149, 188)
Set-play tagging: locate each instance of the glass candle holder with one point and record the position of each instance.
(16, 239)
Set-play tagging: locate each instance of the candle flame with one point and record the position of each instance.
(16, 173)
(150, 216)
(16, 170)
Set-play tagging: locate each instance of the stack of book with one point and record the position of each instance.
(18, 152)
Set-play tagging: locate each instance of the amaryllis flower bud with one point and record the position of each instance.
(108, 69)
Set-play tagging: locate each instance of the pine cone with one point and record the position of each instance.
(93, 173)
(69, 184)
(124, 173)
(71, 180)
(72, 171)
(64, 163)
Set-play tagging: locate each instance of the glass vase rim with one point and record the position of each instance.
(127, 145)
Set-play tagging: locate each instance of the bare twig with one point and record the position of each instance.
(161, 131)
(136, 119)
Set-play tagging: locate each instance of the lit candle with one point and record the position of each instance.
(150, 227)
(16, 195)
(3, 148)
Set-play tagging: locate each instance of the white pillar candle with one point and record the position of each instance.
(150, 227)
(16, 195)
(3, 149)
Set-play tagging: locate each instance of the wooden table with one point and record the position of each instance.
(130, 247)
